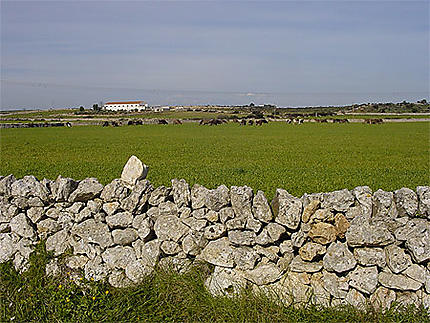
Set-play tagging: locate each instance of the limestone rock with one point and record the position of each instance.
(137, 270)
(87, 189)
(423, 193)
(241, 201)
(367, 235)
(271, 233)
(397, 259)
(195, 224)
(214, 231)
(35, 213)
(342, 225)
(338, 200)
(47, 226)
(363, 195)
(143, 226)
(110, 208)
(335, 285)
(218, 198)
(253, 224)
(58, 242)
(169, 227)
(133, 171)
(310, 250)
(6, 185)
(382, 298)
(298, 265)
(309, 210)
(95, 232)
(383, 205)
(170, 247)
(29, 186)
(263, 274)
(355, 298)
(76, 262)
(120, 220)
(114, 191)
(406, 202)
(149, 251)
(261, 208)
(198, 195)
(219, 253)
(364, 279)
(118, 279)
(8, 246)
(370, 256)
(242, 238)
(225, 214)
(225, 282)
(320, 295)
(62, 188)
(22, 226)
(245, 258)
(419, 246)
(52, 268)
(118, 257)
(401, 282)
(323, 233)
(138, 197)
(418, 273)
(125, 236)
(211, 216)
(181, 192)
(287, 209)
(193, 243)
(338, 258)
(96, 269)
(159, 195)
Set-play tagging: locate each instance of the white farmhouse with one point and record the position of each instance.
(126, 105)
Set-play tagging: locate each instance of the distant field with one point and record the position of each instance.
(306, 158)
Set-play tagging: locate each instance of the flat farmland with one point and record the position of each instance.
(305, 158)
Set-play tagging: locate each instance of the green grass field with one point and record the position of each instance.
(305, 158)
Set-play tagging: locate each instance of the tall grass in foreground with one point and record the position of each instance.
(165, 296)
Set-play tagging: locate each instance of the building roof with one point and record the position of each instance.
(125, 102)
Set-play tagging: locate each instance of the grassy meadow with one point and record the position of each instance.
(305, 158)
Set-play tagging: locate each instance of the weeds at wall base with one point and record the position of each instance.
(164, 296)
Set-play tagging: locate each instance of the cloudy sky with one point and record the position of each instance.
(64, 53)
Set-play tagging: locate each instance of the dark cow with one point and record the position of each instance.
(177, 121)
(243, 122)
(106, 124)
(373, 121)
(162, 121)
(260, 122)
(251, 122)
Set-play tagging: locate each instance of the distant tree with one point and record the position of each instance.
(423, 101)
(81, 108)
(96, 107)
(252, 104)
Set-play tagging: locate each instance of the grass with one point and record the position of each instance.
(165, 296)
(306, 158)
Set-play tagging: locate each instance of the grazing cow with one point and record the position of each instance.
(260, 122)
(68, 125)
(162, 121)
(177, 121)
(251, 122)
(235, 120)
(106, 124)
(243, 122)
(374, 121)
(138, 122)
(288, 121)
(115, 124)
(130, 123)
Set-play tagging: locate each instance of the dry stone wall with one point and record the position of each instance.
(345, 247)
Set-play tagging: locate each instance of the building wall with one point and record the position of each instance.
(127, 107)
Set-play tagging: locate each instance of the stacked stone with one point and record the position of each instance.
(344, 247)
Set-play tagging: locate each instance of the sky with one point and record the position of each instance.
(71, 53)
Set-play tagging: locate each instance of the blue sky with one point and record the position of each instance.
(61, 53)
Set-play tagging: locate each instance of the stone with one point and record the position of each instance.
(261, 208)
(242, 238)
(29, 186)
(363, 195)
(287, 209)
(263, 274)
(406, 202)
(342, 225)
(181, 192)
(290, 289)
(170, 247)
(338, 200)
(76, 262)
(225, 214)
(270, 253)
(22, 226)
(286, 247)
(364, 279)
(133, 171)
(118, 257)
(219, 253)
(418, 273)
(169, 227)
(184, 212)
(406, 299)
(83, 215)
(193, 243)
(148, 251)
(6, 185)
(95, 232)
(137, 270)
(423, 193)
(241, 201)
(323, 233)
(400, 281)
(310, 250)
(52, 268)
(35, 201)
(253, 224)
(413, 228)
(53, 213)
(110, 208)
(87, 189)
(198, 194)
(177, 264)
(338, 258)
(419, 247)
(355, 212)
(8, 246)
(118, 279)
(382, 298)
(383, 205)
(321, 215)
(120, 220)
(367, 235)
(58, 242)
(236, 223)
(370, 256)
(95, 269)
(211, 216)
(62, 188)
(168, 208)
(225, 282)
(214, 231)
(35, 213)
(138, 197)
(245, 258)
(143, 226)
(271, 233)
(355, 298)
(114, 191)
(309, 210)
(320, 296)
(159, 195)
(47, 226)
(20, 202)
(285, 261)
(298, 265)
(335, 285)
(397, 259)
(195, 224)
(125, 236)
(218, 198)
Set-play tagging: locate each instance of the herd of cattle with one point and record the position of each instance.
(242, 122)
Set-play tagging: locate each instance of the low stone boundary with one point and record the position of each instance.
(345, 247)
